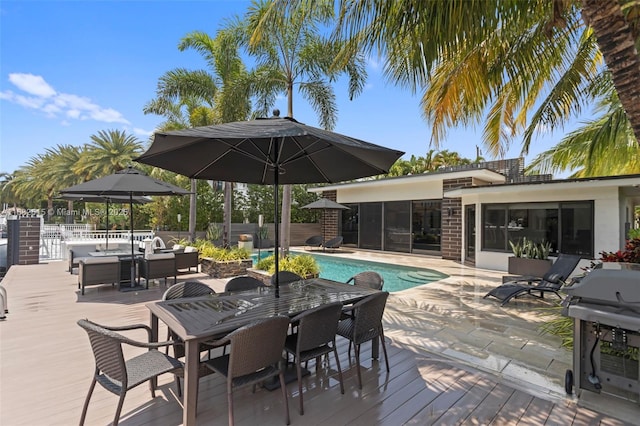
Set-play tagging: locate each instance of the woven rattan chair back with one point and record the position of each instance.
(318, 326)
(243, 283)
(368, 279)
(107, 351)
(368, 317)
(365, 324)
(187, 289)
(315, 336)
(255, 355)
(285, 277)
(117, 375)
(257, 345)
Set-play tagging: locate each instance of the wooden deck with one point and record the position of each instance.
(46, 365)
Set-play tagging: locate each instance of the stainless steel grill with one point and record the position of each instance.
(606, 308)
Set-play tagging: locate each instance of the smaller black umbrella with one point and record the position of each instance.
(119, 199)
(128, 182)
(325, 204)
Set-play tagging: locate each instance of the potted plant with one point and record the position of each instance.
(529, 258)
(628, 258)
(214, 234)
(263, 237)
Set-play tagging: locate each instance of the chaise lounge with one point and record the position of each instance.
(333, 244)
(550, 282)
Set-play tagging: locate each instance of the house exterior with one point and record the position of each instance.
(470, 213)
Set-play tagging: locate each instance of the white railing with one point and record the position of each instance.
(52, 238)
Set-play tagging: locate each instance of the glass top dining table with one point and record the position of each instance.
(198, 319)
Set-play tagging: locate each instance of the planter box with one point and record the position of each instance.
(525, 266)
(226, 269)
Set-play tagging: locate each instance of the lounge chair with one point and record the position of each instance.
(551, 282)
(313, 242)
(332, 244)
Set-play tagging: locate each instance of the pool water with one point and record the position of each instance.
(396, 277)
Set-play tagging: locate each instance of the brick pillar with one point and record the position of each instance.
(27, 232)
(451, 238)
(329, 219)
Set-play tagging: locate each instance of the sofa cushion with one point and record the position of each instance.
(100, 260)
(157, 256)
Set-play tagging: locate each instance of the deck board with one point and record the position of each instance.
(46, 365)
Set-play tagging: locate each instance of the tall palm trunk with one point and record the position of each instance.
(617, 44)
(285, 220)
(192, 210)
(226, 215)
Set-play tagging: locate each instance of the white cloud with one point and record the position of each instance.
(142, 132)
(41, 96)
(32, 84)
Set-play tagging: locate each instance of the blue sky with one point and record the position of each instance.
(69, 69)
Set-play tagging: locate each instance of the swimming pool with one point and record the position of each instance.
(396, 277)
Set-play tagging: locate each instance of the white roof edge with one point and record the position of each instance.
(485, 174)
(537, 186)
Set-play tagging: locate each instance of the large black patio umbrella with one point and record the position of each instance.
(107, 199)
(127, 182)
(268, 151)
(325, 204)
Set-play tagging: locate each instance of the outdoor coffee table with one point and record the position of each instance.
(196, 320)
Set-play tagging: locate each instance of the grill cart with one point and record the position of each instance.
(605, 306)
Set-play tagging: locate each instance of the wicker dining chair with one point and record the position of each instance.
(285, 277)
(243, 283)
(364, 324)
(117, 375)
(368, 279)
(255, 355)
(315, 336)
(181, 291)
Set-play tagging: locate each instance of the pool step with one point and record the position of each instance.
(412, 278)
(420, 276)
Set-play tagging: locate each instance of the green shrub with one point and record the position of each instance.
(303, 265)
(207, 249)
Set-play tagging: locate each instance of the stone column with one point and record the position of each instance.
(451, 236)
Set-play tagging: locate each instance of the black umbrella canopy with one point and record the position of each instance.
(118, 199)
(128, 182)
(269, 151)
(249, 151)
(131, 182)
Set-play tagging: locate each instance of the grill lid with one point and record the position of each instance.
(614, 287)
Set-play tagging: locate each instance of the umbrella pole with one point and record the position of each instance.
(133, 263)
(276, 223)
(106, 235)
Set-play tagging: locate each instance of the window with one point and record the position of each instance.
(567, 226)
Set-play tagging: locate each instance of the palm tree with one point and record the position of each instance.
(528, 66)
(210, 97)
(7, 190)
(294, 55)
(64, 158)
(108, 152)
(34, 181)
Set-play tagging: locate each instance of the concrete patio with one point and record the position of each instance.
(455, 358)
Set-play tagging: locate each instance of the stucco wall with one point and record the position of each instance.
(607, 215)
(397, 192)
